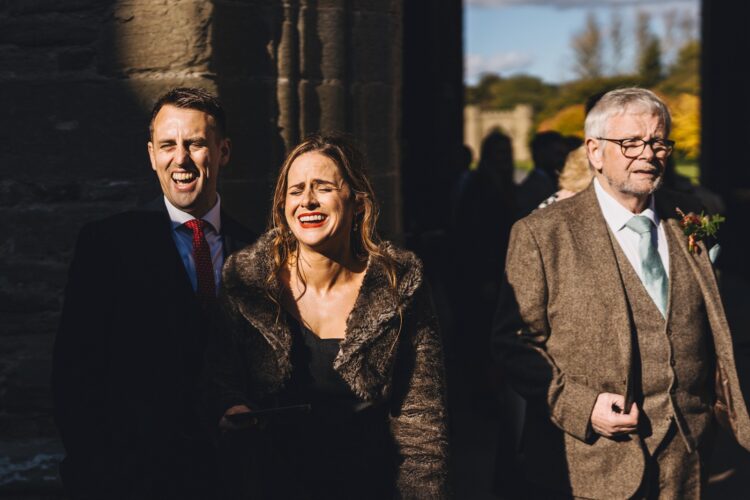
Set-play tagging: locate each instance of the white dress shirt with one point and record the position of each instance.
(617, 216)
(183, 238)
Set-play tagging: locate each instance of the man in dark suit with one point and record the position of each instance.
(140, 292)
(612, 326)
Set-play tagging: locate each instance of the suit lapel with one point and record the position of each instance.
(162, 259)
(704, 274)
(234, 235)
(594, 243)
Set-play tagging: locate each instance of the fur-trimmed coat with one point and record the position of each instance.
(384, 358)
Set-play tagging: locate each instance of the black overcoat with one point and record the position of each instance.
(127, 357)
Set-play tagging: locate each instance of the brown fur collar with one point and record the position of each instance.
(365, 360)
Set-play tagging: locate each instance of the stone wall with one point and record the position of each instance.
(77, 80)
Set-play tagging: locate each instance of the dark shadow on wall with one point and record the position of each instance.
(432, 126)
(244, 39)
(77, 82)
(73, 149)
(723, 169)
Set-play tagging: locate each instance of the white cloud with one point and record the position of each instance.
(564, 4)
(475, 65)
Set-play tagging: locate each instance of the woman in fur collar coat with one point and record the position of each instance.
(317, 312)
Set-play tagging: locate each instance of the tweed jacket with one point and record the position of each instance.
(385, 358)
(564, 335)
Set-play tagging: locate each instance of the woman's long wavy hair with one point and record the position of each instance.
(351, 164)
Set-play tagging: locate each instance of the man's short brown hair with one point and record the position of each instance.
(191, 98)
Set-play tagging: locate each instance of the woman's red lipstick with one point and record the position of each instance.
(311, 220)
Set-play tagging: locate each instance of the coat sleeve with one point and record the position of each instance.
(80, 371)
(520, 334)
(419, 417)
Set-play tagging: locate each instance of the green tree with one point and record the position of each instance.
(494, 92)
(587, 49)
(579, 91)
(684, 75)
(521, 89)
(642, 32)
(687, 25)
(669, 40)
(649, 63)
(482, 91)
(617, 41)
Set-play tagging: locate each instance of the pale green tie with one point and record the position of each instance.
(652, 269)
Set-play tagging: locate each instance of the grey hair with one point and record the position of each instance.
(620, 101)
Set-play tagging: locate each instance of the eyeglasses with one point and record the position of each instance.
(633, 147)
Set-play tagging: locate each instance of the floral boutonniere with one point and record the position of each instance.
(698, 227)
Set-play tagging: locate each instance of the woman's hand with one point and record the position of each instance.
(226, 425)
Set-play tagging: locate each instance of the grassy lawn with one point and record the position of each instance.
(524, 165)
(691, 170)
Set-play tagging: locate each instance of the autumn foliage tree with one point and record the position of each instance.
(686, 126)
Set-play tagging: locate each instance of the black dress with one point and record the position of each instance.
(341, 449)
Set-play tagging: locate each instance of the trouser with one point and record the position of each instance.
(674, 472)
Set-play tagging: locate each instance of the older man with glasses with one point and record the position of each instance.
(613, 328)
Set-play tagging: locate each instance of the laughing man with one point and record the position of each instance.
(140, 289)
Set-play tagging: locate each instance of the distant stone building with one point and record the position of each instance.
(515, 123)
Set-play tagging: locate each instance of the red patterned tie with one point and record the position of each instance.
(204, 268)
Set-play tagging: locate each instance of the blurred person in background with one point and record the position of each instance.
(485, 214)
(548, 150)
(576, 175)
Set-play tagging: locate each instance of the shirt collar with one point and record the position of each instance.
(178, 217)
(615, 214)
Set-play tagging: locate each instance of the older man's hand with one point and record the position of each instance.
(608, 418)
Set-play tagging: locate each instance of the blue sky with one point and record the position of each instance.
(533, 36)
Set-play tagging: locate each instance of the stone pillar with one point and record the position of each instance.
(287, 56)
(339, 69)
(432, 126)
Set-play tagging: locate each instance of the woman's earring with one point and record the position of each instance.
(355, 227)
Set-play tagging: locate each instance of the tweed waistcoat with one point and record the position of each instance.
(652, 351)
(673, 361)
